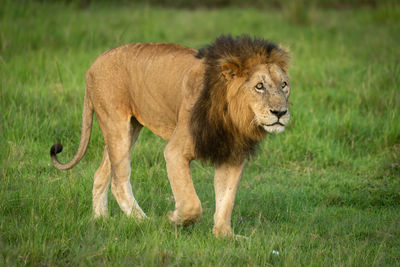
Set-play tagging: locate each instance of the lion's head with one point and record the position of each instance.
(245, 94)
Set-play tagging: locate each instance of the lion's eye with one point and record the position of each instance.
(284, 84)
(260, 86)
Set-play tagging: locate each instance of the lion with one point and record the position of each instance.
(214, 104)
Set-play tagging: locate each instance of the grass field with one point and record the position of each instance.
(326, 192)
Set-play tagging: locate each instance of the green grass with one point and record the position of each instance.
(326, 192)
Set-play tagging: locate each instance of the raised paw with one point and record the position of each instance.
(223, 231)
(178, 218)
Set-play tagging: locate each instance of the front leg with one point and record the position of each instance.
(226, 182)
(187, 204)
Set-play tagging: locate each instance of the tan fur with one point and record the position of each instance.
(157, 86)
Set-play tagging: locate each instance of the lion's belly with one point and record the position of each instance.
(156, 115)
(157, 83)
(156, 102)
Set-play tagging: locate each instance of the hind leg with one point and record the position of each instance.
(102, 179)
(119, 136)
(119, 142)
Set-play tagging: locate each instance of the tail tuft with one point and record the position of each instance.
(55, 149)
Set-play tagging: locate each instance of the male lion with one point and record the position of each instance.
(214, 104)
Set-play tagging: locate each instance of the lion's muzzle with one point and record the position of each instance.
(278, 113)
(280, 119)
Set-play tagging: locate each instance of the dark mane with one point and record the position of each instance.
(217, 138)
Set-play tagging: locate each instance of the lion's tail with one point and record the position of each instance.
(87, 120)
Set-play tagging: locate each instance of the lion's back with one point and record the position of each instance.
(151, 77)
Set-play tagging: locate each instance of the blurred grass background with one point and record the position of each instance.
(325, 192)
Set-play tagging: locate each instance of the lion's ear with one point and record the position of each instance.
(229, 70)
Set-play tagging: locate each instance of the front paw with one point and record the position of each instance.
(223, 231)
(183, 219)
(174, 218)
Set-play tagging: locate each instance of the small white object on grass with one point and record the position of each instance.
(275, 252)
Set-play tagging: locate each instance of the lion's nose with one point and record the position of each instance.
(278, 113)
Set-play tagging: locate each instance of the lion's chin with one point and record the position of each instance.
(274, 129)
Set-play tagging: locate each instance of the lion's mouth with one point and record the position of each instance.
(275, 123)
(276, 127)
